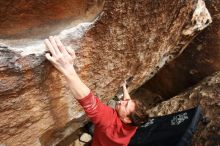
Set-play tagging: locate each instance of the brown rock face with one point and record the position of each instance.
(199, 60)
(149, 35)
(128, 38)
(32, 19)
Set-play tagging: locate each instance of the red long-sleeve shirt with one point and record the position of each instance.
(109, 129)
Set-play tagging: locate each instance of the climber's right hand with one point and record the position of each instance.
(60, 56)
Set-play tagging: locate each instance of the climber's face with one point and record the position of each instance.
(124, 109)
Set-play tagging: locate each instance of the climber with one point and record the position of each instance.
(113, 127)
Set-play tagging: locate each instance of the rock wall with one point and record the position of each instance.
(128, 38)
(38, 19)
(199, 60)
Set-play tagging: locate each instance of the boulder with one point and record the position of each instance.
(113, 40)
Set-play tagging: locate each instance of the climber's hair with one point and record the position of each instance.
(140, 115)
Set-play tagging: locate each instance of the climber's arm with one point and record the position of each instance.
(62, 59)
(125, 91)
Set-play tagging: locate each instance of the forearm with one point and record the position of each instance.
(126, 94)
(63, 59)
(77, 87)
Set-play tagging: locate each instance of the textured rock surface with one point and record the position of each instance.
(130, 38)
(205, 94)
(145, 36)
(31, 19)
(200, 59)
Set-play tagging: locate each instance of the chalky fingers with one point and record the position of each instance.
(49, 46)
(54, 44)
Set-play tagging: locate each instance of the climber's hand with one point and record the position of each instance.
(60, 56)
(124, 84)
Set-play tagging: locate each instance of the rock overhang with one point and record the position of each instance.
(24, 25)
